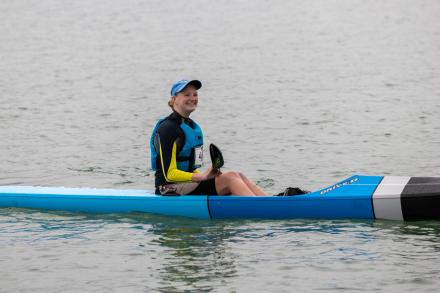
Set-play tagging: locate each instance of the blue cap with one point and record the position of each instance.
(178, 86)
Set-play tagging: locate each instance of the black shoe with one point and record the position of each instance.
(289, 191)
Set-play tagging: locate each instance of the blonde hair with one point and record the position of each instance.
(171, 102)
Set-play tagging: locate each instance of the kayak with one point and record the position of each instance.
(357, 197)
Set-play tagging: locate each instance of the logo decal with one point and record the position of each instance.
(331, 188)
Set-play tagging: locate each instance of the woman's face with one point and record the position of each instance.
(185, 102)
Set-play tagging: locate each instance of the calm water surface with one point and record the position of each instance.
(139, 253)
(294, 92)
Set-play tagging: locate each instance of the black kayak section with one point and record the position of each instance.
(421, 199)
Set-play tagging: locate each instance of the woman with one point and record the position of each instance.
(177, 152)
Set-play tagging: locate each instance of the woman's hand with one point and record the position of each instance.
(208, 174)
(211, 173)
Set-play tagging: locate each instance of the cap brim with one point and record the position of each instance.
(182, 84)
(196, 83)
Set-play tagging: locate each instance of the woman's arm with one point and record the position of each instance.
(168, 137)
(169, 166)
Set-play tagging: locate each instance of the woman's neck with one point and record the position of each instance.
(182, 113)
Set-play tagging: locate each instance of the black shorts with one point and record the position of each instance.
(206, 187)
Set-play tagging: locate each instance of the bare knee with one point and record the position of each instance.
(231, 175)
(242, 176)
(225, 182)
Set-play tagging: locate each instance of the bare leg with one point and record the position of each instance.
(237, 184)
(252, 186)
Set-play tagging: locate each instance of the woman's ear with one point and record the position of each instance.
(171, 101)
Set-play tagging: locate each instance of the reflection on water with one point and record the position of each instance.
(198, 257)
(204, 255)
(168, 254)
(420, 233)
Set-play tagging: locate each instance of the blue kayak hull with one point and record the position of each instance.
(357, 197)
(351, 198)
(102, 201)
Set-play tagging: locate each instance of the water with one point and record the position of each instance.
(53, 252)
(294, 92)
